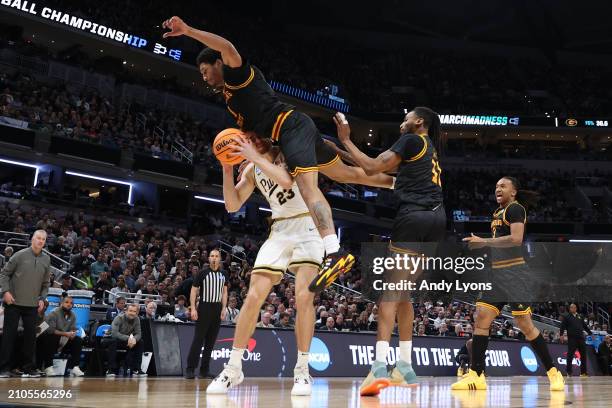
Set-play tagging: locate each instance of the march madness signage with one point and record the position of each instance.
(272, 353)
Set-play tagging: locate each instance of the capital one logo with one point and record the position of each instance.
(529, 359)
(319, 355)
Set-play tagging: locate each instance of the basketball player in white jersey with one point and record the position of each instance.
(294, 244)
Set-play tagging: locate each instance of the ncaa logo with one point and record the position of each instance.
(319, 355)
(529, 359)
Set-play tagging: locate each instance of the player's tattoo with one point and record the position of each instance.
(322, 215)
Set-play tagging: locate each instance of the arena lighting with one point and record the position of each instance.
(592, 241)
(214, 200)
(265, 209)
(17, 163)
(89, 176)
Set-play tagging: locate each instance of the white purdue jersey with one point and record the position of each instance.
(283, 203)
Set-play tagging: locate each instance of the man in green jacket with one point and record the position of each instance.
(24, 283)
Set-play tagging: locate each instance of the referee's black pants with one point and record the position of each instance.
(12, 314)
(573, 344)
(206, 330)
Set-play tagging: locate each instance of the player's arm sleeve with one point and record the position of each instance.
(410, 147)
(515, 213)
(239, 77)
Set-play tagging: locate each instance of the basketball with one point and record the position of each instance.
(222, 146)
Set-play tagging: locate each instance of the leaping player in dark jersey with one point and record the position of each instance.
(420, 218)
(258, 111)
(512, 283)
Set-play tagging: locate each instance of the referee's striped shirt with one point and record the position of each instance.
(211, 285)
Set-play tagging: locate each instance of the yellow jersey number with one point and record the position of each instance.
(436, 172)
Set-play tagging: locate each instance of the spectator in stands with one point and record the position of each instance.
(116, 269)
(151, 311)
(103, 285)
(323, 315)
(99, 266)
(84, 260)
(266, 321)
(176, 269)
(67, 283)
(61, 333)
(8, 252)
(120, 287)
(126, 334)
(429, 329)
(119, 308)
(339, 323)
(443, 330)
(186, 286)
(129, 279)
(231, 314)
(284, 322)
(85, 276)
(439, 320)
(181, 311)
(148, 290)
(420, 331)
(604, 353)
(330, 324)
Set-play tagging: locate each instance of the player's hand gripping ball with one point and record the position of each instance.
(222, 146)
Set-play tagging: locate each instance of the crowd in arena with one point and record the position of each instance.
(114, 258)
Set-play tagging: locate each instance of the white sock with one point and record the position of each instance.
(331, 243)
(235, 359)
(302, 360)
(382, 349)
(406, 351)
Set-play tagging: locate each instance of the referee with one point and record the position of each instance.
(211, 285)
(24, 282)
(573, 323)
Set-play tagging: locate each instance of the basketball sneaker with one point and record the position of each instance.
(403, 375)
(230, 377)
(556, 380)
(471, 381)
(333, 266)
(377, 379)
(302, 381)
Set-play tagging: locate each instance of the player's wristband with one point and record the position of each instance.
(393, 184)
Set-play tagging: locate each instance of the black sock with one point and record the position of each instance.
(479, 347)
(539, 346)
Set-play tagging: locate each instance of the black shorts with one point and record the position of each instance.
(418, 226)
(414, 233)
(513, 286)
(302, 144)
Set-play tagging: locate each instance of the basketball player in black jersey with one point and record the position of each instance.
(512, 284)
(420, 218)
(258, 111)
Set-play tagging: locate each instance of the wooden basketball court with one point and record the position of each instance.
(327, 392)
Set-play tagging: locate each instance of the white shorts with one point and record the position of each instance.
(292, 243)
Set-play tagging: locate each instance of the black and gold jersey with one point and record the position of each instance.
(418, 185)
(500, 227)
(251, 100)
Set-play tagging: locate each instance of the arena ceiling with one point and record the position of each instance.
(543, 24)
